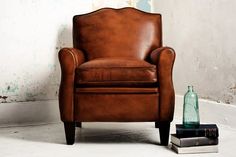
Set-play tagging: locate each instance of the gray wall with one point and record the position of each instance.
(203, 33)
(32, 32)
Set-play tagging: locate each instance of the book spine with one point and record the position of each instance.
(209, 132)
(188, 142)
(199, 149)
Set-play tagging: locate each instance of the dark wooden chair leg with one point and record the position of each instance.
(156, 125)
(70, 132)
(164, 130)
(78, 124)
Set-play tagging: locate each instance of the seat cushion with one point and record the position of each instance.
(116, 72)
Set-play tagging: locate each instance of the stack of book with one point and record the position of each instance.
(203, 139)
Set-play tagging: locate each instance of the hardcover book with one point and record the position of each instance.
(199, 149)
(204, 130)
(193, 141)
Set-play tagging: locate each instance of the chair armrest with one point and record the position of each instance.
(70, 59)
(164, 58)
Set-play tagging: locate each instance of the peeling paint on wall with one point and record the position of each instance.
(232, 89)
(29, 65)
(3, 99)
(144, 5)
(203, 35)
(31, 36)
(97, 4)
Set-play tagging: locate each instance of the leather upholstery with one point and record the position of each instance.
(122, 107)
(117, 33)
(121, 71)
(117, 90)
(164, 58)
(107, 77)
(70, 59)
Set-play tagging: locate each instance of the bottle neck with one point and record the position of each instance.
(190, 88)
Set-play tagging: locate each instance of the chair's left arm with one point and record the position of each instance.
(164, 58)
(70, 59)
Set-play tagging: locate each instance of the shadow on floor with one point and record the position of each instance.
(94, 135)
(115, 133)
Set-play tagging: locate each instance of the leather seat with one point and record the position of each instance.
(116, 72)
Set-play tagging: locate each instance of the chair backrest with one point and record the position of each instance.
(125, 32)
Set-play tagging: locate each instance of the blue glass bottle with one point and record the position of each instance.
(190, 110)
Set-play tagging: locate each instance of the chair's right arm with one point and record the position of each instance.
(70, 59)
(164, 58)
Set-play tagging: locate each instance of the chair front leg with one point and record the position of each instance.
(70, 132)
(164, 131)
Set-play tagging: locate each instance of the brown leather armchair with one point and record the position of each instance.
(117, 71)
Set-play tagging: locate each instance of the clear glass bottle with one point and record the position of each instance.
(190, 110)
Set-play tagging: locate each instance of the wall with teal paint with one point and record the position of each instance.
(32, 32)
(144, 5)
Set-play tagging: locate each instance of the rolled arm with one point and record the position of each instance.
(164, 58)
(70, 59)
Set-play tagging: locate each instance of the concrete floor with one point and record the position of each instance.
(98, 139)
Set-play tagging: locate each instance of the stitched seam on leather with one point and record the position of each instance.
(74, 58)
(73, 91)
(81, 81)
(123, 68)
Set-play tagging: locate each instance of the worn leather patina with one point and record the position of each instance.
(118, 71)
